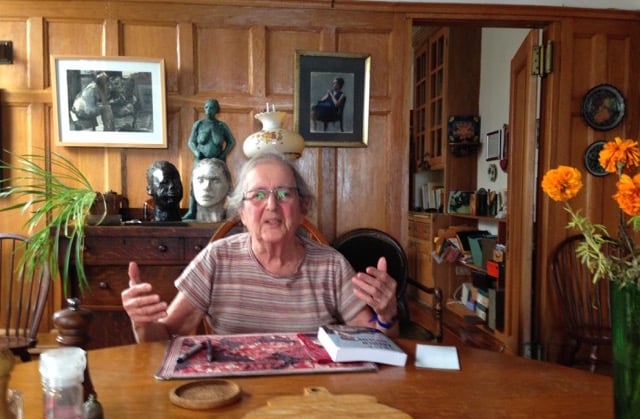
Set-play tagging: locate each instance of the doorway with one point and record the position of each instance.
(505, 89)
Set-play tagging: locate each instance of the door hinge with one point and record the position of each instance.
(542, 59)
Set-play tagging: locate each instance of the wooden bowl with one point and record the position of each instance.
(205, 394)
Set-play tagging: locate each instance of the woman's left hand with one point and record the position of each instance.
(378, 289)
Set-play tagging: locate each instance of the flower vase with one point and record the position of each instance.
(625, 320)
(273, 138)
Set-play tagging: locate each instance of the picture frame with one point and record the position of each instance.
(321, 121)
(460, 202)
(463, 130)
(504, 148)
(493, 145)
(109, 101)
(463, 134)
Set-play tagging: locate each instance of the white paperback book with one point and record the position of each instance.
(354, 343)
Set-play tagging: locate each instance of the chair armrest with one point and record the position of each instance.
(437, 306)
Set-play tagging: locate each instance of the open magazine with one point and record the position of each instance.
(207, 356)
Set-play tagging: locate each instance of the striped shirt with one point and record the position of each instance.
(238, 295)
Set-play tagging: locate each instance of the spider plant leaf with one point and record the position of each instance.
(56, 202)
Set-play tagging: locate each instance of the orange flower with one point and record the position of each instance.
(628, 195)
(563, 183)
(619, 151)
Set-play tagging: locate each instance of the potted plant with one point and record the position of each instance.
(58, 202)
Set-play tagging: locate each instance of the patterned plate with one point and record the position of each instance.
(591, 159)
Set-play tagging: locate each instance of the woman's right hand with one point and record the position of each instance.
(140, 302)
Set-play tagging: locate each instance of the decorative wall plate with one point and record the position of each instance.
(492, 171)
(591, 161)
(603, 107)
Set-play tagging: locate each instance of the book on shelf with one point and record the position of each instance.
(432, 195)
(496, 309)
(355, 343)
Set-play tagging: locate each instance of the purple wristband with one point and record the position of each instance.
(380, 322)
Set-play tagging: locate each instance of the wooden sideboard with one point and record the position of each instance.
(162, 252)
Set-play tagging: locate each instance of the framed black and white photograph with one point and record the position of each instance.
(332, 98)
(109, 101)
(493, 143)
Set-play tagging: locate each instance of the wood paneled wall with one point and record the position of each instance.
(592, 52)
(242, 56)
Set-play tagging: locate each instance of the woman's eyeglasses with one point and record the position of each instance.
(282, 194)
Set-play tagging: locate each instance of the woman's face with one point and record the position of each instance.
(271, 220)
(211, 108)
(210, 186)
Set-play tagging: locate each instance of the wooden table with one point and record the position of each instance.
(489, 385)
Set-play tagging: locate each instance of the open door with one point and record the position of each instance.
(522, 149)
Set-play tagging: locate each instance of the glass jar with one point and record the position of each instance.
(62, 372)
(15, 403)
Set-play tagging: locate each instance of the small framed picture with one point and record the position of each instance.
(109, 101)
(504, 148)
(332, 98)
(493, 143)
(460, 202)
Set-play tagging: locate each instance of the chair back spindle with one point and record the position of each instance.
(585, 306)
(23, 296)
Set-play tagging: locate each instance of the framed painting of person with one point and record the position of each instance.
(332, 98)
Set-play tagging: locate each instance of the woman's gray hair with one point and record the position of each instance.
(236, 198)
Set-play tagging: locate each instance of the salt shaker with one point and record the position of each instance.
(62, 372)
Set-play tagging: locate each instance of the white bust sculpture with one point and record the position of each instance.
(211, 183)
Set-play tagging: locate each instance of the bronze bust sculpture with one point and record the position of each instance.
(165, 187)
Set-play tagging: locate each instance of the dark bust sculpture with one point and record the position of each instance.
(210, 138)
(165, 187)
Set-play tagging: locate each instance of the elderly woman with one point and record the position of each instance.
(269, 279)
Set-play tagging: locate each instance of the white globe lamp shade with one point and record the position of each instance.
(273, 138)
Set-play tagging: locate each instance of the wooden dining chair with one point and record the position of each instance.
(363, 247)
(585, 306)
(22, 296)
(234, 225)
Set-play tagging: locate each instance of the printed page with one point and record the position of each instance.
(437, 357)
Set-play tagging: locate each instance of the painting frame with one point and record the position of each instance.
(494, 145)
(319, 123)
(133, 90)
